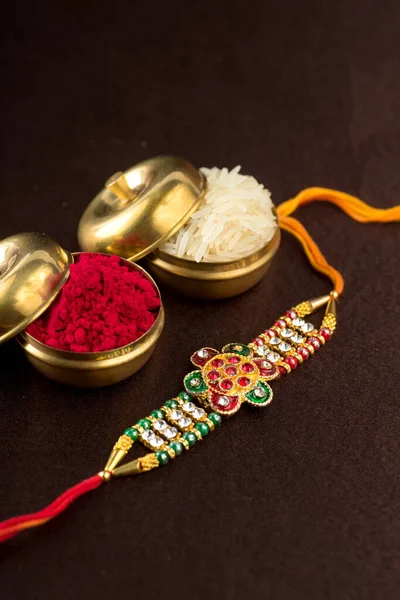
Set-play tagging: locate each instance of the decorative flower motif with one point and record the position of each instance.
(230, 377)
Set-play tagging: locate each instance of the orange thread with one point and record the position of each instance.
(354, 207)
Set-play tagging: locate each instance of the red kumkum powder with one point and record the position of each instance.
(103, 305)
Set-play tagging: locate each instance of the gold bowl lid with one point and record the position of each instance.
(140, 209)
(33, 268)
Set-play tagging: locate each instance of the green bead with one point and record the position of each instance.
(215, 418)
(190, 438)
(132, 433)
(177, 447)
(162, 457)
(185, 396)
(145, 423)
(158, 414)
(203, 428)
(171, 403)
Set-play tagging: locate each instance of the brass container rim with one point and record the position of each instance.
(102, 358)
(187, 267)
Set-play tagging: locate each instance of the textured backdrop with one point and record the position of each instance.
(297, 501)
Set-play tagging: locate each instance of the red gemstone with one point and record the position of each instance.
(223, 403)
(304, 353)
(314, 342)
(292, 362)
(282, 370)
(234, 360)
(270, 333)
(213, 375)
(213, 384)
(280, 323)
(226, 384)
(217, 363)
(258, 342)
(248, 368)
(266, 368)
(326, 333)
(244, 381)
(292, 314)
(231, 370)
(201, 357)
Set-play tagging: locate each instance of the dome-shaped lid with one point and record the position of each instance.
(33, 268)
(140, 209)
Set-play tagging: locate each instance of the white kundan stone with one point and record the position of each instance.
(259, 392)
(287, 333)
(297, 322)
(159, 425)
(284, 347)
(170, 432)
(176, 414)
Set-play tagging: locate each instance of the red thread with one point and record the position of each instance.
(11, 527)
(104, 305)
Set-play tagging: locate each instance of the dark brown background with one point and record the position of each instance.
(297, 501)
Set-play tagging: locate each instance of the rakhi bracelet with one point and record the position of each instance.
(224, 380)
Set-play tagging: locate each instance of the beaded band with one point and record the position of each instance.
(223, 381)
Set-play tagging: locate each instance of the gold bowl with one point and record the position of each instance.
(94, 369)
(140, 209)
(213, 280)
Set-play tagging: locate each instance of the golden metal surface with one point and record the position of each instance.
(213, 280)
(94, 369)
(316, 303)
(124, 443)
(148, 462)
(119, 186)
(331, 308)
(33, 269)
(105, 475)
(303, 309)
(130, 468)
(115, 458)
(142, 208)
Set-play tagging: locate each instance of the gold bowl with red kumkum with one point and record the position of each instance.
(33, 269)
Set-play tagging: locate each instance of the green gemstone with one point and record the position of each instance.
(132, 433)
(162, 457)
(194, 383)
(238, 349)
(185, 396)
(158, 414)
(190, 438)
(171, 403)
(260, 394)
(216, 419)
(203, 428)
(177, 447)
(145, 423)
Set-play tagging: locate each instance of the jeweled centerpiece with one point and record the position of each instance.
(230, 377)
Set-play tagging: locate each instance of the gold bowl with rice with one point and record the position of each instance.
(206, 233)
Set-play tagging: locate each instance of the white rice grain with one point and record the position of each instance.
(234, 220)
